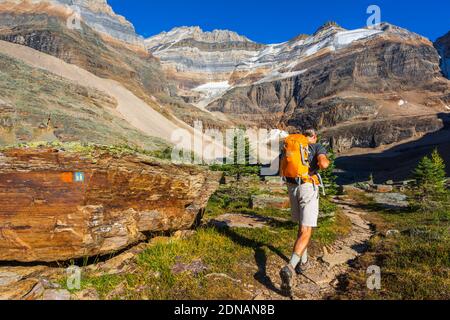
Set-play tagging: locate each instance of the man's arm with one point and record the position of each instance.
(321, 155)
(323, 161)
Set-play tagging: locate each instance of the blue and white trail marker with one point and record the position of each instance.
(79, 177)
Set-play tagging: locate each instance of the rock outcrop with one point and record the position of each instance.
(443, 47)
(378, 133)
(46, 30)
(43, 27)
(57, 205)
(193, 57)
(97, 14)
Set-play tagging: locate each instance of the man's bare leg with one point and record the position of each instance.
(300, 248)
(303, 240)
(300, 252)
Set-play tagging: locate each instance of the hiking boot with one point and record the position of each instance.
(287, 279)
(302, 268)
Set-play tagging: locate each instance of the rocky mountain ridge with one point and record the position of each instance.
(196, 33)
(383, 85)
(193, 57)
(97, 14)
(137, 71)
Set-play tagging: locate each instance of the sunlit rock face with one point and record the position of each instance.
(194, 57)
(98, 14)
(57, 205)
(443, 47)
(47, 27)
(383, 85)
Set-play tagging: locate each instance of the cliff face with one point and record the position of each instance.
(443, 47)
(57, 205)
(43, 27)
(193, 57)
(383, 85)
(368, 81)
(95, 13)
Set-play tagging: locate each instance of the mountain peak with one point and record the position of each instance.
(97, 14)
(330, 25)
(196, 33)
(299, 37)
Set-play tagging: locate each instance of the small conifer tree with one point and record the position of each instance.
(430, 189)
(329, 176)
(430, 175)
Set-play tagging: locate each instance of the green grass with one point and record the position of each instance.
(331, 230)
(155, 280)
(90, 149)
(415, 264)
(235, 170)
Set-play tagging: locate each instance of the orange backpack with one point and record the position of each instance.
(295, 163)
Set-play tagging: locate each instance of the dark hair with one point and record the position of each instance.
(294, 130)
(310, 133)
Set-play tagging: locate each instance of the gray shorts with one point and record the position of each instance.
(305, 204)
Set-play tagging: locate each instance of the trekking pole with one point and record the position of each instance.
(321, 184)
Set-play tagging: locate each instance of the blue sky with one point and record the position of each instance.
(272, 21)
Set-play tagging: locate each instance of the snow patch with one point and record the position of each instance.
(340, 40)
(344, 38)
(276, 75)
(213, 86)
(317, 47)
(211, 91)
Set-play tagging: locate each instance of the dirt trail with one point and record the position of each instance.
(322, 279)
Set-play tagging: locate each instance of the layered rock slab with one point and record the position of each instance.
(57, 205)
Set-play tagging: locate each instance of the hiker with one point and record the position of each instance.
(302, 159)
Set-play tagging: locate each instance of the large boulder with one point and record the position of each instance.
(57, 205)
(393, 201)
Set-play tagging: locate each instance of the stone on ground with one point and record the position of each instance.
(350, 189)
(341, 257)
(183, 234)
(7, 278)
(270, 201)
(196, 267)
(86, 295)
(56, 295)
(319, 276)
(384, 188)
(122, 263)
(391, 200)
(27, 289)
(240, 221)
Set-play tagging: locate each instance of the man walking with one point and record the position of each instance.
(304, 185)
